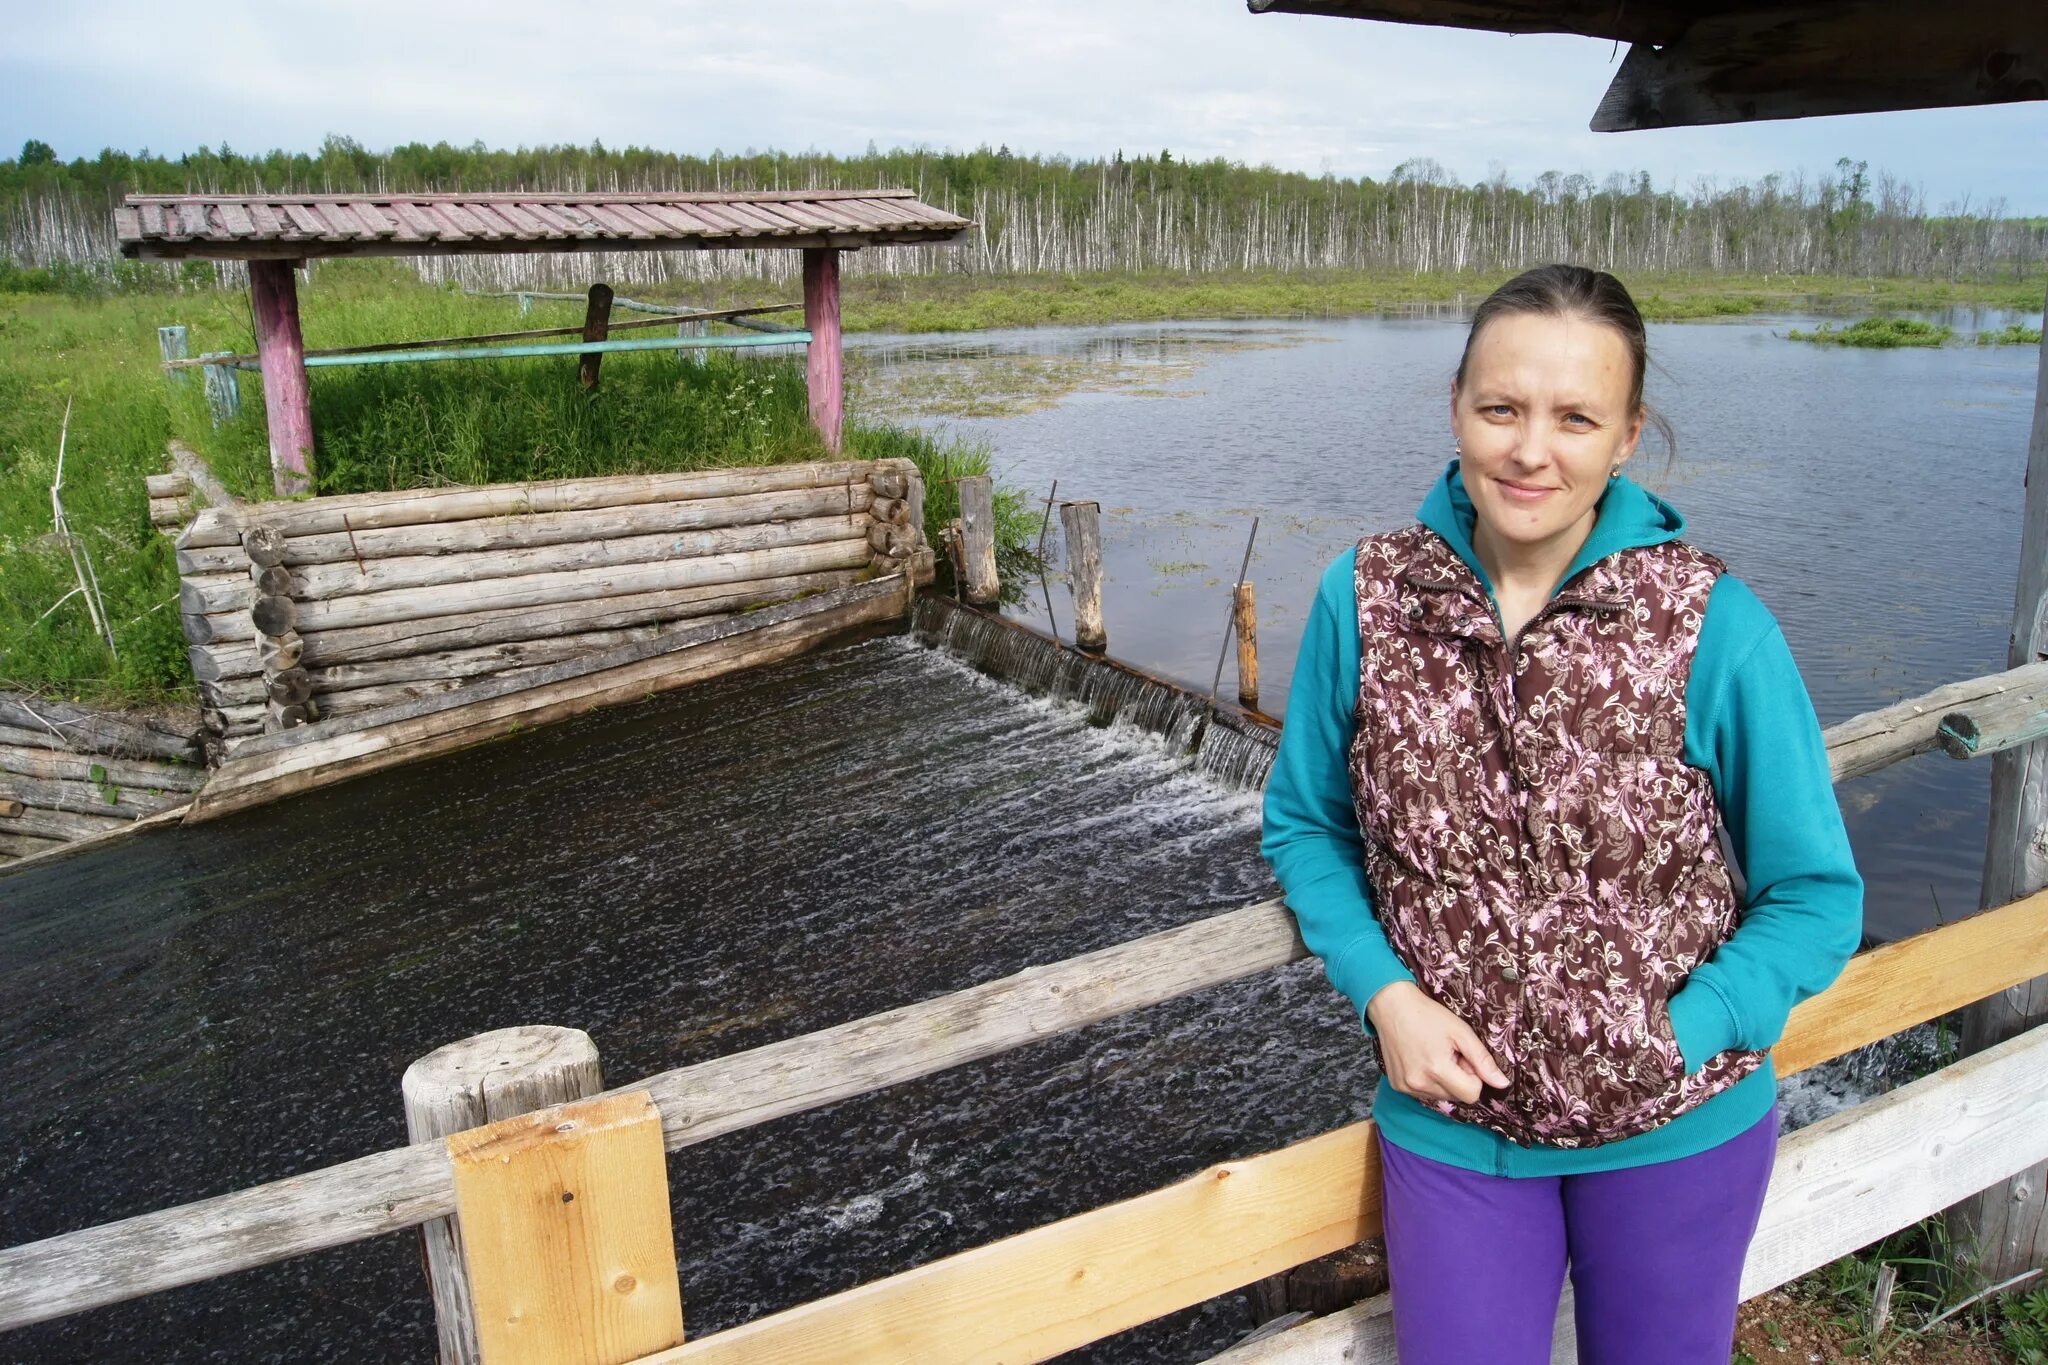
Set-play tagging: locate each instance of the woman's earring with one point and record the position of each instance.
(1614, 473)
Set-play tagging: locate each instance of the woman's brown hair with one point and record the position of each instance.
(1574, 290)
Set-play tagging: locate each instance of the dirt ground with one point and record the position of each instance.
(1783, 1329)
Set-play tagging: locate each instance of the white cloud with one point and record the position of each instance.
(1077, 77)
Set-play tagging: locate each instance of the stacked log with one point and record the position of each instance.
(67, 772)
(170, 501)
(339, 605)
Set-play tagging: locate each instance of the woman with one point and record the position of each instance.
(1514, 731)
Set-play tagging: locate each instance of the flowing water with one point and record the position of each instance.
(198, 1010)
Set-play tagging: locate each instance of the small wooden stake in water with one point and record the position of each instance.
(1081, 522)
(1045, 588)
(978, 536)
(1242, 570)
(1247, 647)
(480, 1080)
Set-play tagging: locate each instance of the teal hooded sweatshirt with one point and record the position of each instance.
(1749, 723)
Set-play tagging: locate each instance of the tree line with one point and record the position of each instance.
(1054, 214)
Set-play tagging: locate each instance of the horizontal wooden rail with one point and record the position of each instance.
(1838, 1184)
(1063, 1285)
(790, 338)
(530, 334)
(1881, 992)
(1878, 995)
(1967, 719)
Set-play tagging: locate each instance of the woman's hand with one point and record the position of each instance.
(1427, 1051)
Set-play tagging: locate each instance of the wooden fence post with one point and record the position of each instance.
(691, 355)
(978, 536)
(172, 342)
(2004, 1230)
(485, 1079)
(223, 389)
(281, 354)
(565, 1223)
(597, 325)
(1081, 524)
(1247, 646)
(822, 360)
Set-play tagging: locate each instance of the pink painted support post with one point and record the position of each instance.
(281, 354)
(821, 318)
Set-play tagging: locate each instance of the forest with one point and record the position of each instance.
(1052, 215)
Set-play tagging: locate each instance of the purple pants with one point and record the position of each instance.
(1476, 1261)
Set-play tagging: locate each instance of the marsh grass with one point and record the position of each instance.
(2014, 334)
(1878, 334)
(378, 428)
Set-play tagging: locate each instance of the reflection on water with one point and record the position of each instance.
(1871, 498)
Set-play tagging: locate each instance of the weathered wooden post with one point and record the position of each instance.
(281, 355)
(2004, 1230)
(1081, 524)
(1247, 647)
(691, 355)
(597, 325)
(822, 359)
(978, 536)
(223, 389)
(485, 1079)
(172, 342)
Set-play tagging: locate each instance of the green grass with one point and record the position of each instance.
(1878, 333)
(968, 303)
(379, 427)
(2015, 334)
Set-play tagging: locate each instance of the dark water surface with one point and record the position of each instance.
(1872, 499)
(207, 1008)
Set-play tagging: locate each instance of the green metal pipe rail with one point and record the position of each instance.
(560, 348)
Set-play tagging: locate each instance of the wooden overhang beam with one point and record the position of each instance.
(315, 249)
(1845, 57)
(1695, 62)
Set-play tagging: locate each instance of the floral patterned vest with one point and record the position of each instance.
(1542, 857)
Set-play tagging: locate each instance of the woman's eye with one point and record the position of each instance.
(1579, 417)
(1498, 409)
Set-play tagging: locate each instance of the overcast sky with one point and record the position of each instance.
(1078, 77)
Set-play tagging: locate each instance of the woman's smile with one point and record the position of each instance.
(1524, 492)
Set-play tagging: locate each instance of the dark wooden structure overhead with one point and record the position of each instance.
(1734, 61)
(253, 227)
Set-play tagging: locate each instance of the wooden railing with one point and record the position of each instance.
(1063, 1285)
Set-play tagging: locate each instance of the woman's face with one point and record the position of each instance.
(1542, 416)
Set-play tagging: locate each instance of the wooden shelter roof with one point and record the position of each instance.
(298, 226)
(1734, 61)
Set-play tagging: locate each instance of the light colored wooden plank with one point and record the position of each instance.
(565, 1221)
(1058, 1287)
(1837, 1185)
